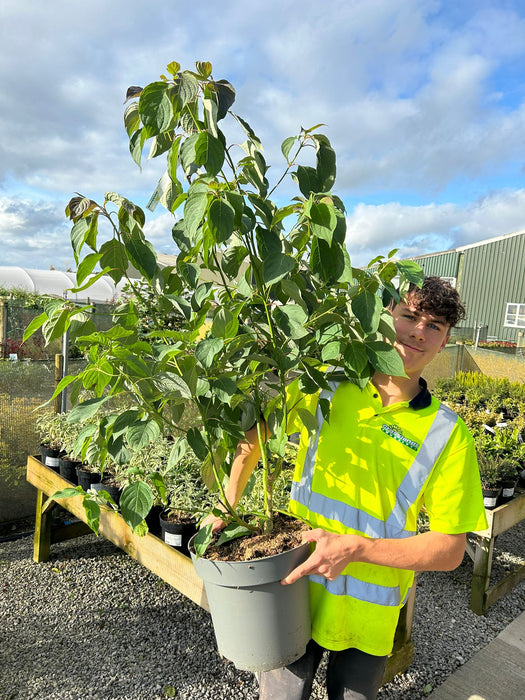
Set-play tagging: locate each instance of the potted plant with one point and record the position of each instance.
(49, 426)
(266, 289)
(489, 475)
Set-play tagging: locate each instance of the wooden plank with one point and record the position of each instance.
(481, 574)
(504, 586)
(164, 561)
(42, 536)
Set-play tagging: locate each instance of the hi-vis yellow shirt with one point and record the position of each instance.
(368, 470)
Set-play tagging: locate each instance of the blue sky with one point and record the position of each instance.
(423, 101)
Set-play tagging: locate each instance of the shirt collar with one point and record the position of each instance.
(423, 399)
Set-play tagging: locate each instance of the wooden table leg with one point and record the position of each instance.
(43, 521)
(484, 549)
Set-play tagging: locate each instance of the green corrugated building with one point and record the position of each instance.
(490, 277)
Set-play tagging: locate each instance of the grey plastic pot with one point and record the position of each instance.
(259, 624)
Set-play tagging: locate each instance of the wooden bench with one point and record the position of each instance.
(480, 547)
(150, 551)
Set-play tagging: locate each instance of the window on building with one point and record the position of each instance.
(450, 280)
(515, 315)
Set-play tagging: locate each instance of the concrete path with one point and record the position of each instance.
(497, 672)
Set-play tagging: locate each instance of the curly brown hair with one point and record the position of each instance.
(439, 298)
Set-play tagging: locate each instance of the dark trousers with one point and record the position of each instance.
(351, 675)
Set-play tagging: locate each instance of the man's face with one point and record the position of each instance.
(420, 336)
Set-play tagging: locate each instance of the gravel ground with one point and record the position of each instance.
(93, 624)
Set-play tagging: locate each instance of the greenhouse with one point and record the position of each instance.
(58, 283)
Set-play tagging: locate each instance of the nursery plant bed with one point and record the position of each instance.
(150, 551)
(157, 556)
(480, 548)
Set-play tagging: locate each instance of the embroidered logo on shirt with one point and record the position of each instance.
(397, 435)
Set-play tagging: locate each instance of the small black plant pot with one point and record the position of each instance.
(177, 534)
(153, 521)
(507, 490)
(68, 468)
(114, 491)
(490, 497)
(50, 457)
(86, 478)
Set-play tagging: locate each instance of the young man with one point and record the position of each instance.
(386, 452)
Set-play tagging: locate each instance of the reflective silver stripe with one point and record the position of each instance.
(428, 454)
(301, 490)
(368, 592)
(407, 493)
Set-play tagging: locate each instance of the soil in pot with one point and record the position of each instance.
(286, 534)
(68, 468)
(177, 530)
(50, 456)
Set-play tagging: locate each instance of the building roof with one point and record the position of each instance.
(460, 249)
(58, 283)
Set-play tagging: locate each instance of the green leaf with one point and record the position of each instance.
(142, 255)
(209, 151)
(135, 503)
(384, 358)
(92, 510)
(197, 443)
(177, 452)
(194, 210)
(322, 221)
(276, 266)
(221, 220)
(308, 420)
(114, 259)
(202, 540)
(367, 307)
(86, 266)
(187, 154)
(35, 324)
(156, 108)
(172, 386)
(225, 324)
(207, 349)
(356, 358)
(142, 434)
(291, 319)
(132, 118)
(326, 168)
(173, 68)
(203, 69)
(328, 261)
(225, 96)
(232, 532)
(412, 271)
(66, 493)
(86, 410)
(286, 146)
(308, 180)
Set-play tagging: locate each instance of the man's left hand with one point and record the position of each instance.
(331, 555)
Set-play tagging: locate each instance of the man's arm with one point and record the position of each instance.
(246, 457)
(430, 551)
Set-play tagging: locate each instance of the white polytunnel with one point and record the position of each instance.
(57, 283)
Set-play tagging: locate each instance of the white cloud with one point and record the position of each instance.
(417, 96)
(417, 230)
